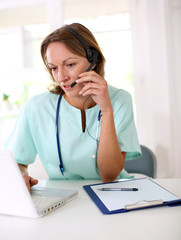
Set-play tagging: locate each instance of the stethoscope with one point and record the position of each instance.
(57, 133)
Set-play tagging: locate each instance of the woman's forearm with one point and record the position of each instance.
(23, 169)
(110, 159)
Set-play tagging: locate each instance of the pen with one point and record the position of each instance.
(118, 189)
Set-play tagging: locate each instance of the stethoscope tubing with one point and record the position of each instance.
(57, 133)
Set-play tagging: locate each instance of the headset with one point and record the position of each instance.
(92, 54)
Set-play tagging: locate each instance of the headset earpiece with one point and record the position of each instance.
(92, 54)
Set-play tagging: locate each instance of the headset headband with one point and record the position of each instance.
(92, 54)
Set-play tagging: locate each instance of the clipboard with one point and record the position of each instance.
(149, 194)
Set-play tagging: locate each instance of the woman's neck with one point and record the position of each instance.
(81, 103)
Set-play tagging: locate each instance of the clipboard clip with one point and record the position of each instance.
(143, 203)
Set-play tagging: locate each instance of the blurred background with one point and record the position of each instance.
(141, 43)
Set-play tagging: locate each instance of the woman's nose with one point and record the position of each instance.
(61, 76)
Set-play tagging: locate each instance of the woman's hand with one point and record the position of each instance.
(29, 181)
(110, 159)
(97, 87)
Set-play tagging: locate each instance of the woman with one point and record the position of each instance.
(78, 100)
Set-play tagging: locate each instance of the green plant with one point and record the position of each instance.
(5, 97)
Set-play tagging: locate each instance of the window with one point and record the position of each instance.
(22, 73)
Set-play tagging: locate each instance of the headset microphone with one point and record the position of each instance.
(88, 69)
(92, 54)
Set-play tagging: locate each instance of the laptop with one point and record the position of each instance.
(15, 198)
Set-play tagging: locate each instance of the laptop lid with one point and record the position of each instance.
(15, 198)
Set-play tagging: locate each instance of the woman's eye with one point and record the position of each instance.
(53, 69)
(70, 64)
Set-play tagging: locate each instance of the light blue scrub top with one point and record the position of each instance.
(35, 133)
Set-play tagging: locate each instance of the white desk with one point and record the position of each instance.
(82, 220)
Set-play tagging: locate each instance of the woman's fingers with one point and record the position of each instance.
(29, 181)
(91, 81)
(89, 77)
(97, 87)
(89, 86)
(33, 181)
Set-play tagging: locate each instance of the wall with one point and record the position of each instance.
(156, 31)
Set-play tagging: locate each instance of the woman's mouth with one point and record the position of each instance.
(66, 87)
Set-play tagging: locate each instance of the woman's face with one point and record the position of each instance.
(66, 67)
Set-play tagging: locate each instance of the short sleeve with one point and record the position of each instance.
(20, 142)
(125, 127)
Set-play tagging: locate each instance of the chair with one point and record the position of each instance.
(146, 164)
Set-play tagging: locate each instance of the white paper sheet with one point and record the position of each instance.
(147, 191)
